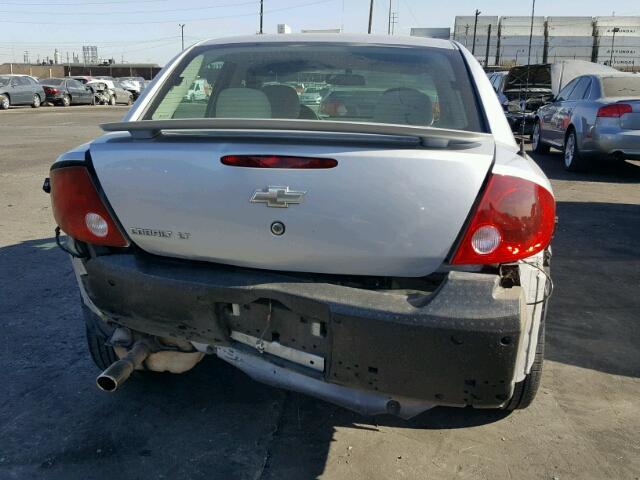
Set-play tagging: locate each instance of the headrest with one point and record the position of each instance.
(284, 101)
(405, 106)
(242, 103)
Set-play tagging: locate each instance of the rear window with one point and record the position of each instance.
(621, 87)
(51, 81)
(382, 84)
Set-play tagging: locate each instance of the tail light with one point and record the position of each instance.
(50, 90)
(615, 110)
(277, 161)
(79, 210)
(514, 220)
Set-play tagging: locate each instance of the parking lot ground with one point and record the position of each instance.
(214, 422)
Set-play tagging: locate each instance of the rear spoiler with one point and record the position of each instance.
(375, 132)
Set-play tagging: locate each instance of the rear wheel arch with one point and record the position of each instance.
(575, 162)
(570, 128)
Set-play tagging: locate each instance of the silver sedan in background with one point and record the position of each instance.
(593, 116)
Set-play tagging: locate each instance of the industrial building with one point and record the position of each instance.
(144, 70)
(504, 41)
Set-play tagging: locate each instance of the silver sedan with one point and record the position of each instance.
(592, 117)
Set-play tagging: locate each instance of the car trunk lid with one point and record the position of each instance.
(387, 209)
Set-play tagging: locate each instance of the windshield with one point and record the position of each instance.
(51, 81)
(621, 87)
(381, 84)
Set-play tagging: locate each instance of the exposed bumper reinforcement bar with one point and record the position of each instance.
(360, 401)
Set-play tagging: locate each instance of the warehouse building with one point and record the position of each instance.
(569, 38)
(504, 41)
(618, 42)
(486, 32)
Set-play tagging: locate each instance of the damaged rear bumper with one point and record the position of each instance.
(369, 350)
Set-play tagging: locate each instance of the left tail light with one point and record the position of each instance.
(515, 219)
(79, 210)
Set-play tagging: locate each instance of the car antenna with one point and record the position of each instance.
(526, 89)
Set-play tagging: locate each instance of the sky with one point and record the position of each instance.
(148, 30)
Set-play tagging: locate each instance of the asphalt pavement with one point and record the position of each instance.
(216, 423)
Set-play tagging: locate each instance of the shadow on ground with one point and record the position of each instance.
(598, 171)
(214, 422)
(593, 315)
(54, 423)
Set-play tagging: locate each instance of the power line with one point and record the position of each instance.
(22, 4)
(191, 20)
(112, 43)
(147, 12)
(413, 15)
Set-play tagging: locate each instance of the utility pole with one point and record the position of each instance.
(475, 27)
(526, 92)
(486, 53)
(370, 16)
(613, 40)
(389, 26)
(261, 14)
(181, 25)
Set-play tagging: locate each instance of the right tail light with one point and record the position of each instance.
(514, 219)
(615, 110)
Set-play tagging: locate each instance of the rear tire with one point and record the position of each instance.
(98, 334)
(573, 160)
(112, 100)
(5, 103)
(66, 101)
(525, 391)
(36, 101)
(536, 141)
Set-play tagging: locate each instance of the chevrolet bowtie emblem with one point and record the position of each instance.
(278, 197)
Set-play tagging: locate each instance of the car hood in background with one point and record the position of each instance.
(553, 76)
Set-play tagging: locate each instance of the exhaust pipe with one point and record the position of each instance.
(120, 370)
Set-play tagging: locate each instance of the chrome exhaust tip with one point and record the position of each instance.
(119, 371)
